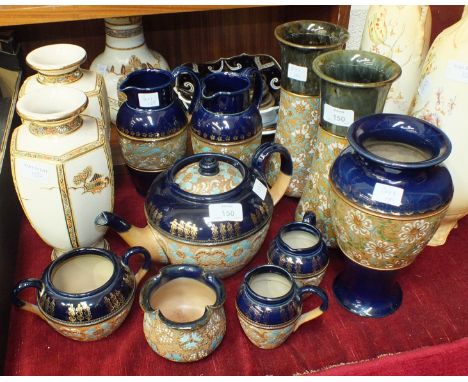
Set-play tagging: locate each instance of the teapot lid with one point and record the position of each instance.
(208, 176)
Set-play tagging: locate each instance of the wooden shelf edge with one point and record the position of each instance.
(11, 15)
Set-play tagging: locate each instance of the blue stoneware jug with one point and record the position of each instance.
(152, 122)
(269, 305)
(86, 293)
(184, 318)
(299, 248)
(227, 120)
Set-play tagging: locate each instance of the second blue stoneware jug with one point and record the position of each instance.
(227, 119)
(152, 123)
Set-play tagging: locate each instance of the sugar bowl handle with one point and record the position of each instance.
(23, 284)
(259, 160)
(314, 313)
(309, 218)
(146, 263)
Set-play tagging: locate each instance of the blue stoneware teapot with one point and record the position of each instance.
(227, 119)
(86, 293)
(152, 122)
(208, 209)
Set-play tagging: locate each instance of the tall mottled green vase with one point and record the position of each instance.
(353, 84)
(301, 42)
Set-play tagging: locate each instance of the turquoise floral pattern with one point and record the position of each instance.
(297, 126)
(221, 260)
(380, 242)
(184, 345)
(153, 154)
(265, 337)
(316, 195)
(190, 180)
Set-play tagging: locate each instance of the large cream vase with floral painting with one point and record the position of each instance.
(62, 168)
(401, 33)
(442, 99)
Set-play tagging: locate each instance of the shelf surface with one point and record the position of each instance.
(35, 14)
(433, 318)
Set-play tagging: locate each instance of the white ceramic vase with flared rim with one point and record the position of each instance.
(62, 168)
(401, 33)
(60, 65)
(442, 99)
(125, 52)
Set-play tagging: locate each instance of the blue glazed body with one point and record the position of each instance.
(167, 202)
(155, 121)
(92, 306)
(269, 311)
(299, 261)
(427, 186)
(226, 113)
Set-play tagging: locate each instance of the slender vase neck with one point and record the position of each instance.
(68, 76)
(124, 36)
(61, 127)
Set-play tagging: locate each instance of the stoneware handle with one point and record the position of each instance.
(197, 89)
(23, 284)
(146, 263)
(258, 84)
(314, 313)
(259, 161)
(309, 218)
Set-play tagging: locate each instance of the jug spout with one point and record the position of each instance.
(133, 236)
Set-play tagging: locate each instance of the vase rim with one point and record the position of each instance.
(318, 62)
(51, 104)
(344, 34)
(407, 125)
(54, 57)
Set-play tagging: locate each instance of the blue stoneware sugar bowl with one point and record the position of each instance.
(227, 119)
(269, 305)
(389, 193)
(86, 293)
(208, 209)
(299, 248)
(152, 122)
(184, 318)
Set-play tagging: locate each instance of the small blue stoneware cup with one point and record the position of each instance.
(299, 248)
(269, 305)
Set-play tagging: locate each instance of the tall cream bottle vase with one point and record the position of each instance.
(442, 99)
(62, 168)
(300, 42)
(125, 52)
(59, 65)
(403, 34)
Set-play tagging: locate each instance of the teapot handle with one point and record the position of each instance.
(259, 162)
(146, 264)
(314, 313)
(258, 84)
(197, 89)
(23, 284)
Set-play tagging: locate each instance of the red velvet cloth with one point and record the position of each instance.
(427, 335)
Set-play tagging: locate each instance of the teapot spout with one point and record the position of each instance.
(133, 236)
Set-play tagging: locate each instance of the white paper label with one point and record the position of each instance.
(337, 116)
(297, 72)
(387, 194)
(101, 68)
(457, 71)
(260, 189)
(148, 99)
(221, 212)
(34, 171)
(425, 87)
